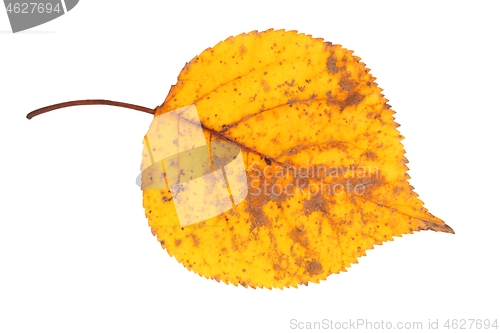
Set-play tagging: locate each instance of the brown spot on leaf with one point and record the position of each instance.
(314, 268)
(346, 83)
(254, 208)
(331, 64)
(352, 99)
(298, 235)
(370, 155)
(196, 239)
(317, 203)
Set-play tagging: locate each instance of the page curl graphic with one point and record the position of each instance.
(24, 14)
(204, 179)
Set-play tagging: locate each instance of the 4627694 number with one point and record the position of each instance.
(33, 7)
(468, 324)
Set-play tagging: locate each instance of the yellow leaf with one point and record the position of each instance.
(323, 158)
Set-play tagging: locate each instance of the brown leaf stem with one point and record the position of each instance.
(88, 102)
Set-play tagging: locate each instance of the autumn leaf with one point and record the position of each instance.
(324, 162)
(274, 161)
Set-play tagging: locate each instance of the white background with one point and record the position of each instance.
(76, 254)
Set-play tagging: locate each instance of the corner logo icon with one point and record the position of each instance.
(204, 179)
(24, 14)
